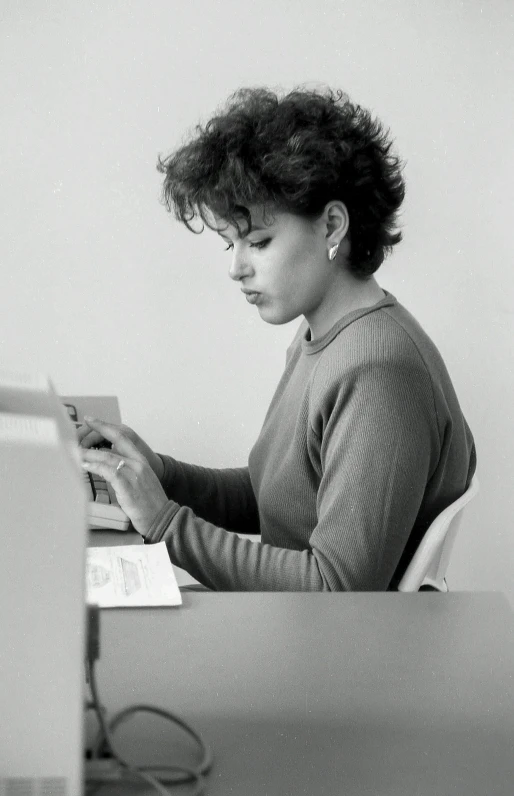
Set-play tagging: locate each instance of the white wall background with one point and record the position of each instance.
(107, 293)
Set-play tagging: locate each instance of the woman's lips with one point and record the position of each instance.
(251, 297)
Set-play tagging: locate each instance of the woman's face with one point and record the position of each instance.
(281, 265)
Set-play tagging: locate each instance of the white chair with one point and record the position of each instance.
(430, 561)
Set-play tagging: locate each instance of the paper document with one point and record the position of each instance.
(131, 575)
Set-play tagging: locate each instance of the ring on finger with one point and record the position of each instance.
(121, 464)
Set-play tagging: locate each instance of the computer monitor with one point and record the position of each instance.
(42, 592)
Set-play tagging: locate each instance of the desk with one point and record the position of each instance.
(356, 694)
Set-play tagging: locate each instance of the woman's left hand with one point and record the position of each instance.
(138, 490)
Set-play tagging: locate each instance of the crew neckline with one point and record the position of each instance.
(313, 346)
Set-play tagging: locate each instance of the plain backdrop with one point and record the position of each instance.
(104, 291)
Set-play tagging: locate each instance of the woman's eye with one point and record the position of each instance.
(261, 244)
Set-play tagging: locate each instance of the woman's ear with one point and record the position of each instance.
(337, 221)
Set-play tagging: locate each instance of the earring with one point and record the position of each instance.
(333, 251)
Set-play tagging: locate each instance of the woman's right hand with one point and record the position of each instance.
(91, 435)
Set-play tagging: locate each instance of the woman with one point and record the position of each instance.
(364, 442)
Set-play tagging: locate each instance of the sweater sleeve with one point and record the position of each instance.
(374, 440)
(221, 496)
(379, 444)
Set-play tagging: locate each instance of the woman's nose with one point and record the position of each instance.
(238, 269)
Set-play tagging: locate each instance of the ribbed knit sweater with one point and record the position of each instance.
(364, 443)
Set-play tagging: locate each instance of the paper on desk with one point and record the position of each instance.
(131, 575)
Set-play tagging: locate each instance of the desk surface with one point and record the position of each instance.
(321, 694)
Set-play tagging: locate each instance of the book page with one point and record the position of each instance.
(131, 576)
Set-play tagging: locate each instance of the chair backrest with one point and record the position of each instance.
(430, 561)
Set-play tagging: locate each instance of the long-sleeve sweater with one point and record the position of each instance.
(364, 443)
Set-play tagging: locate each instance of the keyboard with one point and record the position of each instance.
(103, 508)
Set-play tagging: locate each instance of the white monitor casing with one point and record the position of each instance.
(42, 592)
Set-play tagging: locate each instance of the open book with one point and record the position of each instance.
(131, 576)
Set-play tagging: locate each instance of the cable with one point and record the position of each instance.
(143, 772)
(104, 739)
(122, 716)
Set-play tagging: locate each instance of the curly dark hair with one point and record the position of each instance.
(294, 153)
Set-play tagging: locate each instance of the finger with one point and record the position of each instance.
(115, 435)
(88, 438)
(104, 457)
(105, 471)
(113, 469)
(94, 440)
(82, 431)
